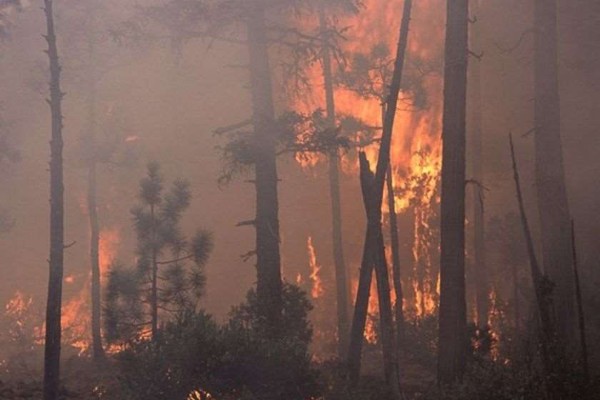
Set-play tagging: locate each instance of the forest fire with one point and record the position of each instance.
(370, 334)
(76, 311)
(299, 199)
(416, 146)
(317, 288)
(76, 318)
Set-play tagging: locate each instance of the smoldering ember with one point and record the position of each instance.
(300, 199)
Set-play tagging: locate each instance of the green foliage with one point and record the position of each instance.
(164, 255)
(180, 360)
(509, 381)
(236, 361)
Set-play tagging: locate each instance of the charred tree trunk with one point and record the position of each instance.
(53, 306)
(580, 314)
(542, 287)
(374, 236)
(334, 190)
(477, 198)
(375, 256)
(97, 349)
(452, 319)
(154, 277)
(92, 199)
(361, 306)
(515, 277)
(399, 312)
(268, 287)
(552, 201)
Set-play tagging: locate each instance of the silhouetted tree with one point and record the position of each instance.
(53, 306)
(373, 251)
(369, 77)
(477, 188)
(543, 288)
(162, 283)
(552, 201)
(268, 260)
(452, 317)
(334, 189)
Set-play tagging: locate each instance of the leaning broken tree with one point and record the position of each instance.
(541, 284)
(373, 251)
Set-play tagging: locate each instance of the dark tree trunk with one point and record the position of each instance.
(97, 349)
(580, 314)
(361, 305)
(552, 200)
(154, 277)
(268, 287)
(374, 236)
(334, 190)
(399, 312)
(542, 287)
(515, 277)
(476, 133)
(53, 306)
(452, 319)
(92, 199)
(375, 256)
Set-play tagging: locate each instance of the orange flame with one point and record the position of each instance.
(494, 320)
(76, 312)
(416, 144)
(370, 333)
(315, 269)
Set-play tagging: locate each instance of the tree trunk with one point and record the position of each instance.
(477, 194)
(452, 319)
(580, 314)
(268, 287)
(361, 305)
(516, 305)
(542, 287)
(375, 256)
(97, 349)
(92, 199)
(552, 199)
(399, 312)
(154, 277)
(334, 190)
(53, 306)
(373, 235)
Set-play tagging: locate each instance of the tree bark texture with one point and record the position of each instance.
(53, 306)
(452, 317)
(268, 288)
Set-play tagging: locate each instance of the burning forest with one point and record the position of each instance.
(307, 199)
